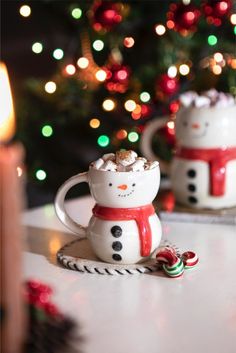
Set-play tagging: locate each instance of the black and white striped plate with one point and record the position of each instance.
(78, 255)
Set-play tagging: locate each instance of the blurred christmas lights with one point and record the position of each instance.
(133, 136)
(128, 42)
(121, 134)
(82, 63)
(216, 69)
(103, 140)
(47, 130)
(160, 30)
(108, 105)
(25, 10)
(98, 45)
(40, 174)
(218, 57)
(76, 13)
(233, 18)
(144, 97)
(130, 105)
(50, 87)
(37, 47)
(172, 71)
(101, 75)
(212, 40)
(94, 123)
(184, 70)
(70, 69)
(58, 54)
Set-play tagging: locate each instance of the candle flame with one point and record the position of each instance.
(7, 116)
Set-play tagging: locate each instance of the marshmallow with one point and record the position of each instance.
(186, 99)
(137, 166)
(108, 156)
(109, 166)
(202, 101)
(97, 164)
(211, 93)
(125, 158)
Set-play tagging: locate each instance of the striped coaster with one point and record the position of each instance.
(78, 255)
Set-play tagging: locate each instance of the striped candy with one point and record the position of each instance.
(190, 259)
(175, 270)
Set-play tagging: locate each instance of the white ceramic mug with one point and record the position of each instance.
(203, 168)
(124, 227)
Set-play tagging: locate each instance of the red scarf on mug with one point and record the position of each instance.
(217, 159)
(139, 214)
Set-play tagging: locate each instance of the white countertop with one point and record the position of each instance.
(142, 313)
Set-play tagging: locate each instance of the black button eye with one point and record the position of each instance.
(133, 184)
(185, 123)
(110, 184)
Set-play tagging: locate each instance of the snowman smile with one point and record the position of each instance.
(128, 194)
(201, 134)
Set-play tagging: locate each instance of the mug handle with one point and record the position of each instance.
(60, 204)
(146, 142)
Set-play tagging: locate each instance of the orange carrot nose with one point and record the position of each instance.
(195, 126)
(122, 187)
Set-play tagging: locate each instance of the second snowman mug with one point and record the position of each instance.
(124, 228)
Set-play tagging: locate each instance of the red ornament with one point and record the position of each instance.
(183, 18)
(117, 79)
(216, 10)
(106, 15)
(167, 85)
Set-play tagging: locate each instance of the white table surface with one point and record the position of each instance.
(143, 313)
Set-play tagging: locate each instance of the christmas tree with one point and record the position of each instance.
(89, 75)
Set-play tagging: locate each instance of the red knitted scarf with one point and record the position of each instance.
(217, 159)
(139, 214)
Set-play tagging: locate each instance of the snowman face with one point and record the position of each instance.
(206, 127)
(124, 189)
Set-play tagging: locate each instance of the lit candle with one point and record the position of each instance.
(12, 306)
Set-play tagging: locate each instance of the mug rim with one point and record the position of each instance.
(208, 108)
(114, 172)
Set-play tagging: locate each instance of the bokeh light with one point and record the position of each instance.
(145, 97)
(128, 42)
(103, 140)
(76, 13)
(172, 71)
(233, 18)
(25, 10)
(212, 40)
(160, 30)
(130, 105)
(101, 75)
(47, 130)
(216, 69)
(94, 123)
(70, 69)
(98, 45)
(58, 54)
(121, 134)
(41, 174)
(82, 63)
(37, 47)
(50, 87)
(218, 57)
(184, 69)
(133, 136)
(108, 105)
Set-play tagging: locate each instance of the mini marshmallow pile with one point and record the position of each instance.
(211, 98)
(123, 161)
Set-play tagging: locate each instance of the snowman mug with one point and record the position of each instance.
(203, 167)
(124, 228)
